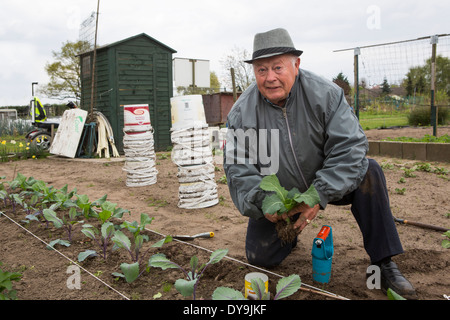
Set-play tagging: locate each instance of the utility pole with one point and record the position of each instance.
(233, 81)
(32, 88)
(93, 64)
(357, 52)
(434, 108)
(194, 86)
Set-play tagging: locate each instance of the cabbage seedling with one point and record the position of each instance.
(132, 271)
(63, 222)
(282, 201)
(188, 286)
(102, 239)
(285, 287)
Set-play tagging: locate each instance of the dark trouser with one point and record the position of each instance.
(370, 207)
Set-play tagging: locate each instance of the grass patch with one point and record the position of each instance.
(427, 138)
(370, 121)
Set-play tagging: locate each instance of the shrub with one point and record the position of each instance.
(422, 116)
(17, 127)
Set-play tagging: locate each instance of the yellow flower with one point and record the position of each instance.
(20, 145)
(34, 157)
(4, 142)
(27, 148)
(28, 143)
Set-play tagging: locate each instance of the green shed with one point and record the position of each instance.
(136, 70)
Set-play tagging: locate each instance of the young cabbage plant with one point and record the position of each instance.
(34, 216)
(45, 193)
(87, 206)
(282, 201)
(285, 287)
(15, 200)
(2, 183)
(102, 238)
(189, 284)
(134, 244)
(6, 285)
(109, 211)
(4, 196)
(67, 223)
(122, 240)
(392, 295)
(107, 230)
(63, 199)
(22, 182)
(132, 271)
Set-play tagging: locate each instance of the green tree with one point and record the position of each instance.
(409, 86)
(214, 82)
(64, 72)
(342, 81)
(385, 87)
(421, 76)
(214, 87)
(420, 84)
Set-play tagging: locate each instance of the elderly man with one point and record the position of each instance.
(304, 124)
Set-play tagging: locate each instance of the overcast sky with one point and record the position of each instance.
(207, 29)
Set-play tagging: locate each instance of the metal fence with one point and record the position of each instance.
(411, 73)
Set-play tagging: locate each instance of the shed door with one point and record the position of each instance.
(143, 78)
(134, 82)
(135, 78)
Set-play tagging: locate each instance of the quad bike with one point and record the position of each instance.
(41, 136)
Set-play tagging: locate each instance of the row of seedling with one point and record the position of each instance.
(66, 210)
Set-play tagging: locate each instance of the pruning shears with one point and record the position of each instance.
(205, 235)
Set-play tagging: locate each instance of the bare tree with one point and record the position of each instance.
(244, 75)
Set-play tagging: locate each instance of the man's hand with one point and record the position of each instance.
(307, 214)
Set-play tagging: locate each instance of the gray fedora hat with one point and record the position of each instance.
(272, 43)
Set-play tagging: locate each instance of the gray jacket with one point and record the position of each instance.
(320, 142)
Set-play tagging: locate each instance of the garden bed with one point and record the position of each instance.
(425, 262)
(48, 274)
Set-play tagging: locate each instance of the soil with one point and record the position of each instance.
(425, 263)
(286, 231)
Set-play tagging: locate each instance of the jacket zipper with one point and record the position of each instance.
(292, 146)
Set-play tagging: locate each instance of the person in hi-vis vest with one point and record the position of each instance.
(39, 111)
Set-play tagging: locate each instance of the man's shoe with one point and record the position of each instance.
(392, 278)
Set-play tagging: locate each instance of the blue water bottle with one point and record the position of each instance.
(322, 253)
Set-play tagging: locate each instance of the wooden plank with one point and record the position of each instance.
(69, 133)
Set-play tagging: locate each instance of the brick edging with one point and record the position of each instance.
(411, 150)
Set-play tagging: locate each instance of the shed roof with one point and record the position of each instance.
(131, 38)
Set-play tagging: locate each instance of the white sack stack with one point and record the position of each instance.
(192, 153)
(138, 146)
